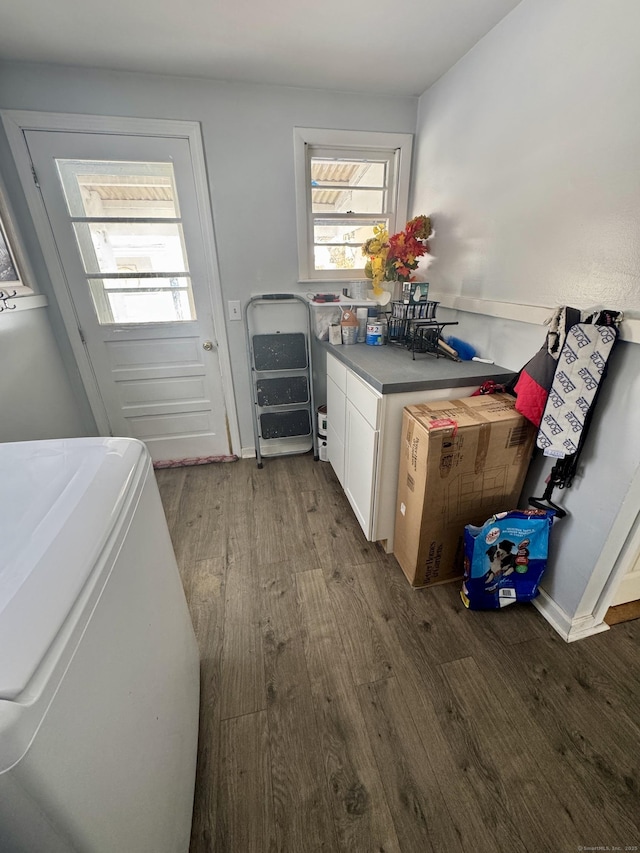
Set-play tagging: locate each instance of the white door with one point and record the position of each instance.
(124, 214)
(629, 588)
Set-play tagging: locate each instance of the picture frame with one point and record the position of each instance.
(419, 292)
(15, 273)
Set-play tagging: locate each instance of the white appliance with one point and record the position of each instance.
(99, 671)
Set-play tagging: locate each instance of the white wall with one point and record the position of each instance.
(248, 140)
(535, 138)
(528, 159)
(36, 398)
(40, 394)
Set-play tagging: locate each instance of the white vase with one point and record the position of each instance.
(394, 288)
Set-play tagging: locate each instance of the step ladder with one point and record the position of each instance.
(280, 377)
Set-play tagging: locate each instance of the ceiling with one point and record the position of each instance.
(398, 47)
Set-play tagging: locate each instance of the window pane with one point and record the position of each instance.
(333, 172)
(347, 201)
(344, 230)
(8, 271)
(338, 258)
(117, 189)
(142, 300)
(341, 233)
(131, 246)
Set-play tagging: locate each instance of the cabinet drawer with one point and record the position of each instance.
(364, 398)
(338, 372)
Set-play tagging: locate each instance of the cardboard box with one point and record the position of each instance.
(461, 461)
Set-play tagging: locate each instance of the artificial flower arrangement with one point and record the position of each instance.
(394, 258)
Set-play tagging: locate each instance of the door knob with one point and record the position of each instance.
(208, 345)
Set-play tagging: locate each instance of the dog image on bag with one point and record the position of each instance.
(502, 562)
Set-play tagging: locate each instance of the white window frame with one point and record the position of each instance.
(23, 286)
(306, 138)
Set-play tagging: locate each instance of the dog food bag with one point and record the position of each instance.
(504, 559)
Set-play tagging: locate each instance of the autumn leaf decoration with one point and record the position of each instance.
(395, 258)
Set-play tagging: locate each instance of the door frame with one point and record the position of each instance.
(16, 122)
(618, 554)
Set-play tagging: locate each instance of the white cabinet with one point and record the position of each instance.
(362, 409)
(363, 443)
(336, 404)
(336, 425)
(361, 454)
(353, 409)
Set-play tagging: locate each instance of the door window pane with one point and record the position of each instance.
(131, 246)
(142, 300)
(113, 189)
(130, 253)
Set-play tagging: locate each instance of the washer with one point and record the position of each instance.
(99, 671)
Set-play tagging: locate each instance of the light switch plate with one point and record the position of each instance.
(233, 307)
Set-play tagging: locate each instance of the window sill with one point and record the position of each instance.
(333, 283)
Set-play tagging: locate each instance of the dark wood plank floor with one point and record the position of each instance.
(343, 711)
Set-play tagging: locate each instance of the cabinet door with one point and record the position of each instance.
(337, 372)
(361, 451)
(364, 398)
(335, 428)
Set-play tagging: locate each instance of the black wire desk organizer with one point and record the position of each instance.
(416, 327)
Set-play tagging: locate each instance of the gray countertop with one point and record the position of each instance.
(391, 370)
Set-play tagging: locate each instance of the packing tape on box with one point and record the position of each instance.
(484, 437)
(441, 423)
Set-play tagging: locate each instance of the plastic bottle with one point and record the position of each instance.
(374, 333)
(361, 314)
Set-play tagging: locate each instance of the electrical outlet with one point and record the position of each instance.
(234, 310)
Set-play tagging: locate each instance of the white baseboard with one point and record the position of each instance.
(569, 629)
(248, 453)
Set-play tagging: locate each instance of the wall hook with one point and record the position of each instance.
(4, 306)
